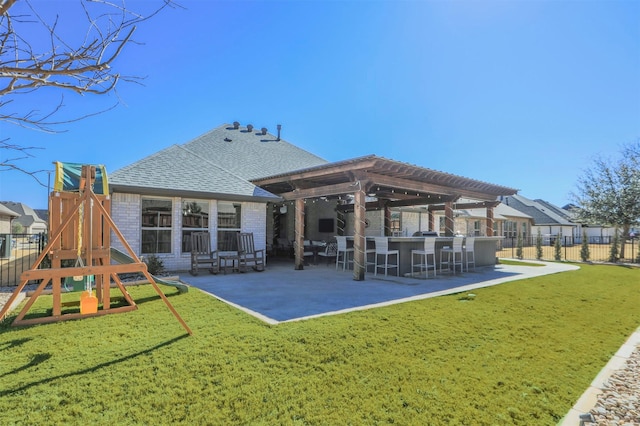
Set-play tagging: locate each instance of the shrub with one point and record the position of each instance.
(539, 245)
(584, 248)
(557, 248)
(155, 265)
(519, 245)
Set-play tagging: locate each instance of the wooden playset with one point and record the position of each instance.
(79, 249)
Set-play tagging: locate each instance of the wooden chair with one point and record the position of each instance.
(247, 253)
(201, 253)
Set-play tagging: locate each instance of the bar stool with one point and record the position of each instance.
(382, 249)
(423, 258)
(454, 255)
(344, 250)
(469, 252)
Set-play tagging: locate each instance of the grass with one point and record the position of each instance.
(518, 353)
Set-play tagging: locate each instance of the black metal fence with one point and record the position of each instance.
(570, 248)
(18, 252)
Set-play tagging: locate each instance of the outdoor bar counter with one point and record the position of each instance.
(484, 247)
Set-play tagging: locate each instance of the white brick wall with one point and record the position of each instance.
(126, 213)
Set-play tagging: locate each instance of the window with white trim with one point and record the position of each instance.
(229, 224)
(156, 226)
(195, 218)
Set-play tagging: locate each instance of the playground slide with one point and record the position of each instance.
(122, 258)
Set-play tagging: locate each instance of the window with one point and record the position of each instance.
(195, 218)
(510, 229)
(524, 230)
(395, 224)
(156, 226)
(477, 228)
(229, 225)
(442, 225)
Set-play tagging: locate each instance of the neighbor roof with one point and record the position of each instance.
(542, 212)
(6, 211)
(26, 216)
(219, 163)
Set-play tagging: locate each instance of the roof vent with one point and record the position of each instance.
(227, 140)
(249, 128)
(264, 131)
(279, 128)
(236, 125)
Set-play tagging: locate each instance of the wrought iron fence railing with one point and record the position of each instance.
(17, 253)
(570, 248)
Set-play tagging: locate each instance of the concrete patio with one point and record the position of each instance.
(281, 294)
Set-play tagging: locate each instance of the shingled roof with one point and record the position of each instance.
(217, 164)
(543, 213)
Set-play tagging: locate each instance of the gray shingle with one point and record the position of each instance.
(222, 161)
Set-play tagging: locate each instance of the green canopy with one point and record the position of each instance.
(68, 178)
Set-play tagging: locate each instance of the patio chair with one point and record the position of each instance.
(423, 257)
(469, 253)
(330, 251)
(201, 253)
(454, 255)
(344, 251)
(247, 253)
(382, 249)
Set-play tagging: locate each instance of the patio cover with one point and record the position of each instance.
(393, 183)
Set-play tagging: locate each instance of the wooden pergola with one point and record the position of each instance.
(392, 183)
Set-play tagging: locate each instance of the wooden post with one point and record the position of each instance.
(387, 221)
(359, 242)
(299, 234)
(489, 227)
(432, 225)
(448, 219)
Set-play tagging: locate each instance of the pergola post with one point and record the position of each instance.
(299, 234)
(432, 225)
(359, 241)
(489, 228)
(448, 219)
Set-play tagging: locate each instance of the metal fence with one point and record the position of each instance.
(18, 252)
(570, 249)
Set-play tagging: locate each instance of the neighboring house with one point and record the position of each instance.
(552, 221)
(204, 184)
(28, 218)
(42, 214)
(507, 222)
(6, 217)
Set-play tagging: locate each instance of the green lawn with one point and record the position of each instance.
(518, 353)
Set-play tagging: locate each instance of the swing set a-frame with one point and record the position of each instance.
(80, 230)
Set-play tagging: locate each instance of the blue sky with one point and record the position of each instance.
(521, 94)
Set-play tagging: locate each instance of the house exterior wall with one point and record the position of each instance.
(5, 224)
(126, 212)
(376, 224)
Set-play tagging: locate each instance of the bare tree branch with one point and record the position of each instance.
(39, 50)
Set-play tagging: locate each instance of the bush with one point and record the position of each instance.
(585, 254)
(557, 248)
(155, 265)
(519, 246)
(539, 245)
